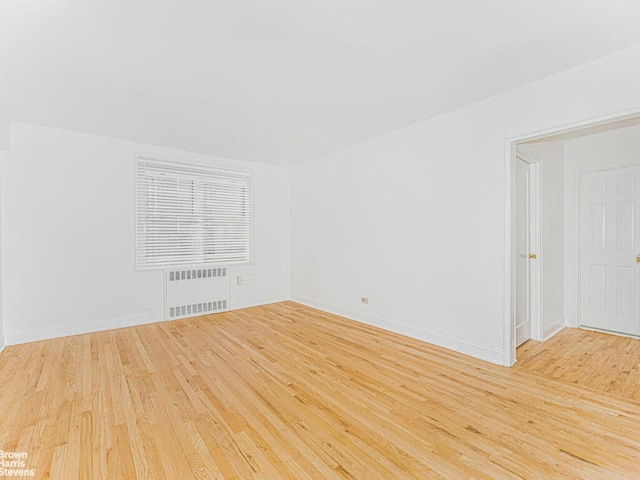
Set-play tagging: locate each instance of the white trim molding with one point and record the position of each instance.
(477, 351)
(256, 302)
(508, 332)
(553, 330)
(535, 234)
(115, 323)
(100, 326)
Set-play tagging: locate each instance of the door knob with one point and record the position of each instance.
(533, 256)
(637, 258)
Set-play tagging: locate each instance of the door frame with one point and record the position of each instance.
(510, 143)
(535, 246)
(579, 243)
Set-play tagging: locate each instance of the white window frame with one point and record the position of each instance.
(147, 166)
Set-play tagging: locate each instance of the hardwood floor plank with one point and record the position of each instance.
(286, 391)
(599, 361)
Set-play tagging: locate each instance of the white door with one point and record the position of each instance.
(609, 248)
(523, 246)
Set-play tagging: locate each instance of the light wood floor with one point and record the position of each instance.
(600, 361)
(285, 391)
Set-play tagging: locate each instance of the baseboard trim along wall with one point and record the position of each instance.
(552, 330)
(257, 302)
(477, 351)
(112, 324)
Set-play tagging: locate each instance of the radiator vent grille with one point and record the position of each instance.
(195, 291)
(197, 309)
(176, 275)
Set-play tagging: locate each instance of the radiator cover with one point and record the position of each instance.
(190, 292)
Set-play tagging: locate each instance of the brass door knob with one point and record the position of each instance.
(534, 256)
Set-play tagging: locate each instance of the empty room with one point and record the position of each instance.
(319, 240)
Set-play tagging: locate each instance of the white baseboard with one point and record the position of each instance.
(552, 330)
(255, 302)
(2, 344)
(477, 351)
(571, 322)
(122, 322)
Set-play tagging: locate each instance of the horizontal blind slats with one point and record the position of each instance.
(191, 214)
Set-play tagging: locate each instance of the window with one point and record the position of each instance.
(191, 214)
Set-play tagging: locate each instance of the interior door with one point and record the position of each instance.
(523, 243)
(609, 248)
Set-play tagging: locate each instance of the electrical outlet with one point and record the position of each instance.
(239, 280)
(364, 300)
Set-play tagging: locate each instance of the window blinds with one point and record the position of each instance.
(191, 214)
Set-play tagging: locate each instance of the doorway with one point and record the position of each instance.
(609, 246)
(526, 246)
(561, 156)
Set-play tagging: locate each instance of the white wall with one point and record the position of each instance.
(416, 220)
(5, 130)
(552, 235)
(67, 206)
(615, 147)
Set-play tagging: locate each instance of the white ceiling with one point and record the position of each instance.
(283, 81)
